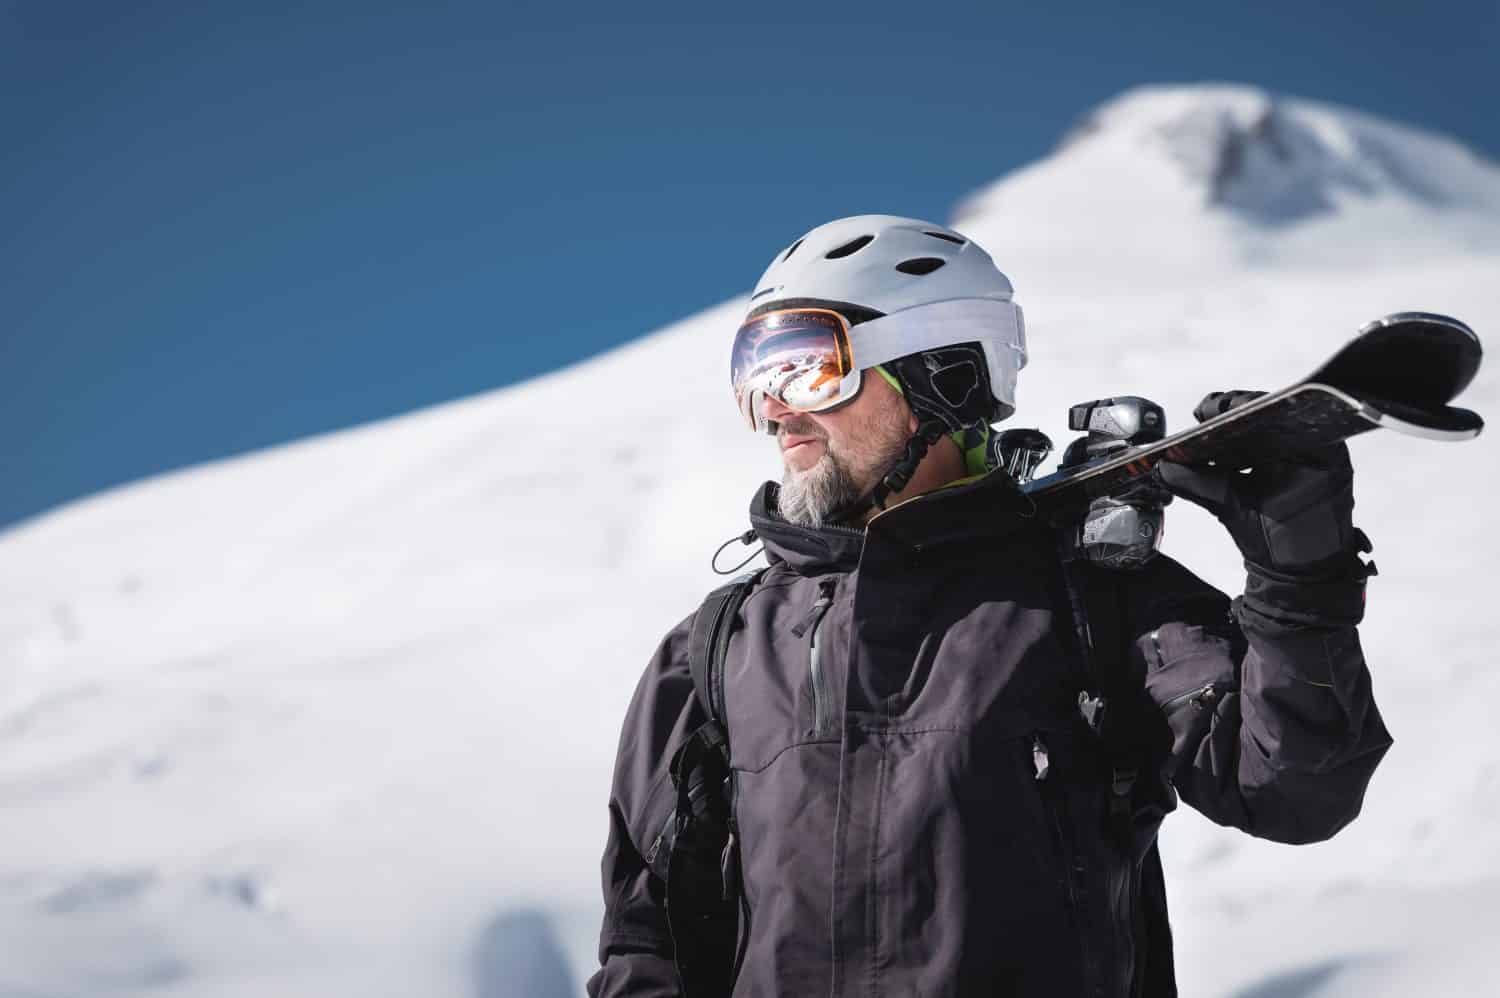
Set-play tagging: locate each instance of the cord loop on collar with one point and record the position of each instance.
(747, 537)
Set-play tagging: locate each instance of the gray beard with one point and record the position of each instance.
(840, 478)
(808, 498)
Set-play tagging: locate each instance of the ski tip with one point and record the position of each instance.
(1422, 318)
(1423, 359)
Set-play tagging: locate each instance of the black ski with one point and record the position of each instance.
(1399, 372)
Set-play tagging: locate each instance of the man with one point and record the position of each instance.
(921, 796)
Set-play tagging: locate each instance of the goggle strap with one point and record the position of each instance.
(934, 326)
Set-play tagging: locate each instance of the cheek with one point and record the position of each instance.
(867, 434)
(838, 441)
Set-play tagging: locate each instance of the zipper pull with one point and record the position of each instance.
(1039, 757)
(1156, 647)
(819, 607)
(1092, 710)
(1205, 697)
(727, 868)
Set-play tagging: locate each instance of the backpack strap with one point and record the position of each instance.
(702, 864)
(708, 642)
(1112, 707)
(1135, 740)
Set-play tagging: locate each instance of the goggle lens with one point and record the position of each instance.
(800, 357)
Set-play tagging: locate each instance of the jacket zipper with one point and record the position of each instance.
(810, 626)
(1039, 761)
(1139, 943)
(1053, 807)
(667, 832)
(1202, 697)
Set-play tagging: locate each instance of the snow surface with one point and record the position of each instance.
(337, 718)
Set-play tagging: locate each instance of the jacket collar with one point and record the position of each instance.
(806, 550)
(986, 507)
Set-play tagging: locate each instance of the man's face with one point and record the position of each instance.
(830, 459)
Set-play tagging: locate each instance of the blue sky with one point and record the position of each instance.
(223, 226)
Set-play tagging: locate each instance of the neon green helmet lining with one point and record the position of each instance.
(973, 441)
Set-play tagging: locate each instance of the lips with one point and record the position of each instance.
(791, 443)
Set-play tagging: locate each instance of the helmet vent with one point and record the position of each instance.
(849, 249)
(919, 266)
(791, 251)
(945, 237)
(763, 292)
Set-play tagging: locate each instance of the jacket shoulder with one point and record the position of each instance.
(664, 689)
(661, 712)
(1163, 592)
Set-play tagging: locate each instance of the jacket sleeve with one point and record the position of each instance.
(1273, 721)
(635, 946)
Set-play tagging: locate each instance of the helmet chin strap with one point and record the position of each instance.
(898, 477)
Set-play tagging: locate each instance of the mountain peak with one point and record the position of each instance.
(1277, 160)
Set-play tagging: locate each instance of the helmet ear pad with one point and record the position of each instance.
(950, 385)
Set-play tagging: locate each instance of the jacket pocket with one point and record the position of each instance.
(817, 668)
(1190, 669)
(656, 829)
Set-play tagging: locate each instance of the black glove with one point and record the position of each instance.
(1292, 519)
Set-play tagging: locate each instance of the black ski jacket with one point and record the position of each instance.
(918, 801)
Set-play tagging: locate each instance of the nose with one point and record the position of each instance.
(774, 409)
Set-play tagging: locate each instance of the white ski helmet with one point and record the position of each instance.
(914, 286)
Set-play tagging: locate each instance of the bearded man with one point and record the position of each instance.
(885, 766)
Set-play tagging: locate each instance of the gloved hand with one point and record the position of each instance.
(1292, 514)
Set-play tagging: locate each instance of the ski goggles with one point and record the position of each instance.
(807, 359)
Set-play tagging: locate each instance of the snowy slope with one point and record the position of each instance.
(337, 718)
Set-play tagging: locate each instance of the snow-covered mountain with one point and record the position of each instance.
(337, 718)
